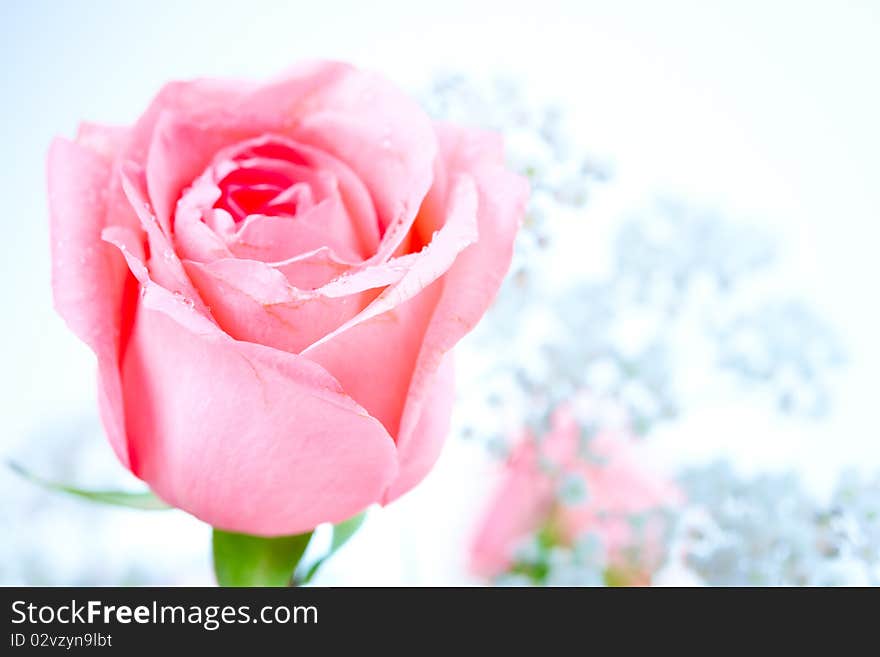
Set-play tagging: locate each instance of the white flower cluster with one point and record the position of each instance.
(768, 531)
(676, 303)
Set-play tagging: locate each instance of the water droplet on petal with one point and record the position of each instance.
(186, 301)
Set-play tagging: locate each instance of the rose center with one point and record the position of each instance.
(266, 179)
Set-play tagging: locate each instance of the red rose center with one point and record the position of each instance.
(266, 179)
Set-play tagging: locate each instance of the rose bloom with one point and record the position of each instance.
(272, 277)
(618, 484)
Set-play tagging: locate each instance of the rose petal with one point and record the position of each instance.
(418, 455)
(383, 135)
(313, 269)
(374, 354)
(195, 236)
(421, 269)
(302, 454)
(361, 119)
(202, 102)
(105, 140)
(164, 264)
(473, 280)
(374, 359)
(253, 301)
(178, 152)
(309, 455)
(88, 275)
(278, 238)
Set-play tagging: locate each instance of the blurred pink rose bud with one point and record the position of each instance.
(272, 277)
(615, 485)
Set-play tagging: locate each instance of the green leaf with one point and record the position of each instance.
(345, 530)
(341, 534)
(245, 560)
(145, 500)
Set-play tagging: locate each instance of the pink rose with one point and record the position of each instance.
(618, 482)
(272, 278)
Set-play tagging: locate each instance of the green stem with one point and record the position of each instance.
(246, 560)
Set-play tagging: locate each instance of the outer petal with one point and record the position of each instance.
(374, 360)
(375, 353)
(88, 275)
(472, 282)
(201, 102)
(421, 452)
(244, 437)
(178, 152)
(164, 263)
(105, 140)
